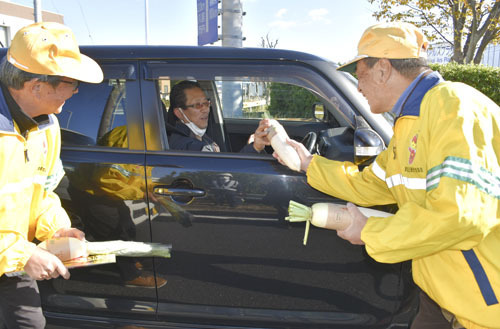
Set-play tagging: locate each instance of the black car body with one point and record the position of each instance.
(236, 263)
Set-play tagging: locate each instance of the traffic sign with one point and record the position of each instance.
(207, 21)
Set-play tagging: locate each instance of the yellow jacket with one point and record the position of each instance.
(114, 181)
(442, 169)
(30, 169)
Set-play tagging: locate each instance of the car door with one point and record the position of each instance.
(103, 192)
(235, 260)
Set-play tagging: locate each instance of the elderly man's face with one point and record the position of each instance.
(197, 107)
(368, 86)
(52, 98)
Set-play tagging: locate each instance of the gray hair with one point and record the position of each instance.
(14, 78)
(407, 67)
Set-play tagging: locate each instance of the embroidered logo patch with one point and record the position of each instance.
(412, 149)
(45, 146)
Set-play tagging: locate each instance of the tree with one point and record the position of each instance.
(468, 26)
(267, 42)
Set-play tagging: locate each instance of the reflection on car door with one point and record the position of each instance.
(103, 192)
(239, 258)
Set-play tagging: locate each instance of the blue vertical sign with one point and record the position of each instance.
(207, 21)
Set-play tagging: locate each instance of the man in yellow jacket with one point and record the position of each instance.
(441, 168)
(40, 72)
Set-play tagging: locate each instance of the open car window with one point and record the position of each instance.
(246, 92)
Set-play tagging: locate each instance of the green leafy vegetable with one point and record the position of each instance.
(300, 213)
(128, 248)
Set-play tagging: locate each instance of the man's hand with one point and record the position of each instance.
(42, 265)
(69, 232)
(260, 139)
(304, 155)
(353, 232)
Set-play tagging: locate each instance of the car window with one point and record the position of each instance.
(265, 99)
(97, 115)
(281, 91)
(262, 99)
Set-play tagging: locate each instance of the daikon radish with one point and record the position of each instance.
(278, 136)
(327, 215)
(67, 248)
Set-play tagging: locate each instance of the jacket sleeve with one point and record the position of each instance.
(345, 181)
(51, 216)
(461, 204)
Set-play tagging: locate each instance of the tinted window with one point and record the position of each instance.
(89, 116)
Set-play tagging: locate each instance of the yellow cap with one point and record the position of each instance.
(50, 48)
(389, 40)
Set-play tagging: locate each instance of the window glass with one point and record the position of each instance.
(90, 116)
(275, 100)
(249, 87)
(246, 99)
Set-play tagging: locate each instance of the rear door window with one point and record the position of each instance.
(98, 114)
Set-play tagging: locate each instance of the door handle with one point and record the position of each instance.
(178, 191)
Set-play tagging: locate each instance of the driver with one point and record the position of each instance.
(188, 113)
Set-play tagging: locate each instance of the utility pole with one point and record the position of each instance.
(37, 8)
(232, 20)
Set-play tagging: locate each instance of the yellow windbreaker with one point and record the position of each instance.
(442, 169)
(30, 169)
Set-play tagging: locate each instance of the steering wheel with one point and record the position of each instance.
(309, 141)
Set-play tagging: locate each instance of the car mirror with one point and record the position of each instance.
(318, 111)
(367, 143)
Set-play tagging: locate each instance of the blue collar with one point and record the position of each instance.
(409, 101)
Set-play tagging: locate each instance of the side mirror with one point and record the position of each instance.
(318, 111)
(367, 143)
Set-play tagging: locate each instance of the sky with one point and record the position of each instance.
(327, 28)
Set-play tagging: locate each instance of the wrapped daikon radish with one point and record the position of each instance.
(278, 136)
(327, 215)
(65, 248)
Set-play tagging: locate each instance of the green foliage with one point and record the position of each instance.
(288, 101)
(469, 26)
(484, 78)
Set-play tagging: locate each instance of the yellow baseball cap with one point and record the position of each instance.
(50, 48)
(394, 40)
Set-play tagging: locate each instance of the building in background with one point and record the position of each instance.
(13, 17)
(442, 52)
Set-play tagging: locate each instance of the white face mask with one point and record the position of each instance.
(192, 126)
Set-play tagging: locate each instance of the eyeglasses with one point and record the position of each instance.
(199, 105)
(74, 83)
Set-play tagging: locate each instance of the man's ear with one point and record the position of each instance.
(34, 86)
(178, 114)
(383, 70)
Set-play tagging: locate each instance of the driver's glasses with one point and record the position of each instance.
(199, 105)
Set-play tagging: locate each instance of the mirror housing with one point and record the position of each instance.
(367, 143)
(318, 110)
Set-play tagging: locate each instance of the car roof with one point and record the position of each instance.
(195, 52)
(152, 52)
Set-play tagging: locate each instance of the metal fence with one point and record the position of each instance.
(441, 53)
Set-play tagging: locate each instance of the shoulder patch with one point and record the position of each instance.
(412, 149)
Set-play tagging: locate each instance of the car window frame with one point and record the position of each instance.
(209, 69)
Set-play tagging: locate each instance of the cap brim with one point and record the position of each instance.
(351, 65)
(87, 71)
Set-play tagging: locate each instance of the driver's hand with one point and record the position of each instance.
(304, 155)
(260, 139)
